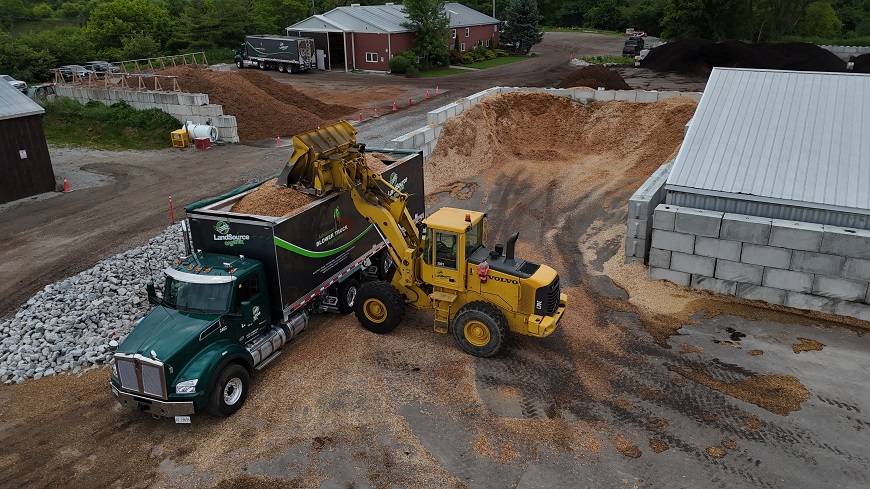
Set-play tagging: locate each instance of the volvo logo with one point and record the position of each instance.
(505, 280)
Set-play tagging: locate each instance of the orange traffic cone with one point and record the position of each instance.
(376, 111)
(66, 188)
(427, 94)
(409, 102)
(436, 89)
(394, 106)
(278, 142)
(360, 116)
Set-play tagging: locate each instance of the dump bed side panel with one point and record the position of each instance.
(286, 49)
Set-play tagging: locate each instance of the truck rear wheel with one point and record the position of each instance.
(261, 65)
(347, 294)
(230, 391)
(385, 264)
(480, 328)
(379, 307)
(282, 67)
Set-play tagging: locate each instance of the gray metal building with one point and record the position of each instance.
(25, 165)
(779, 144)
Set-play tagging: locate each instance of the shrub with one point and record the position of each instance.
(501, 53)
(489, 54)
(477, 57)
(405, 62)
(466, 59)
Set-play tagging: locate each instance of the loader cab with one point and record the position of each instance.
(451, 235)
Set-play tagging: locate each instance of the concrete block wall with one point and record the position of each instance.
(641, 205)
(435, 119)
(845, 52)
(185, 107)
(796, 264)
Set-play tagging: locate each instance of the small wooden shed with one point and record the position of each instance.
(25, 165)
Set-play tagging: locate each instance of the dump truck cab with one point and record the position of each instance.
(192, 351)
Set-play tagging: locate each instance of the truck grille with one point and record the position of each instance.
(547, 298)
(141, 375)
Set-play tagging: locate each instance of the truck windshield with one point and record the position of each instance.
(474, 238)
(204, 298)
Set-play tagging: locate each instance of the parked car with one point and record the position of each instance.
(67, 71)
(633, 46)
(18, 84)
(102, 67)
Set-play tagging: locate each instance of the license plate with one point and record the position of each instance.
(182, 419)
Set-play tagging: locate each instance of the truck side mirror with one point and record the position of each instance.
(152, 294)
(247, 313)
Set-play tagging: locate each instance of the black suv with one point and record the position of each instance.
(632, 47)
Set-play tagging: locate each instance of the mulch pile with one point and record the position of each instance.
(702, 55)
(594, 76)
(264, 108)
(862, 63)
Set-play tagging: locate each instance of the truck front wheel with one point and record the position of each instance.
(480, 328)
(347, 293)
(240, 64)
(230, 391)
(379, 307)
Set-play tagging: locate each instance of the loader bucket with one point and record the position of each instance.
(303, 170)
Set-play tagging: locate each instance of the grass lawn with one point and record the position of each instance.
(444, 72)
(489, 63)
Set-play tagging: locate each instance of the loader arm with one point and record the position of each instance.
(329, 159)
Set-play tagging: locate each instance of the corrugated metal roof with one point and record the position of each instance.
(15, 104)
(788, 137)
(385, 18)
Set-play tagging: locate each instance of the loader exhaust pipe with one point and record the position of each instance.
(509, 249)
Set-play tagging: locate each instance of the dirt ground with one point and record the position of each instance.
(644, 384)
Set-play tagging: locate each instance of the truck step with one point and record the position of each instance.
(268, 360)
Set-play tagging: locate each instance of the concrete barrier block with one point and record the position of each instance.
(809, 302)
(640, 207)
(638, 228)
(759, 293)
(698, 221)
(852, 309)
(635, 247)
(664, 217)
(766, 256)
(718, 248)
(429, 135)
(659, 258)
(846, 241)
(739, 272)
(603, 95)
(669, 240)
(419, 139)
(226, 121)
(693, 264)
(668, 94)
(438, 129)
(627, 95)
(583, 96)
(647, 96)
(805, 236)
(748, 229)
(856, 269)
(807, 261)
(696, 96)
(788, 280)
(838, 288)
(679, 278)
(714, 284)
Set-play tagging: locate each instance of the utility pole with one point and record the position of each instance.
(493, 8)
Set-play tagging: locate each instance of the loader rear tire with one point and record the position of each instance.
(379, 307)
(480, 328)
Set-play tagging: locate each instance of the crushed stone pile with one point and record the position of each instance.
(270, 200)
(702, 55)
(862, 63)
(594, 76)
(264, 108)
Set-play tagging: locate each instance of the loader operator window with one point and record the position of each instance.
(246, 291)
(445, 249)
(474, 238)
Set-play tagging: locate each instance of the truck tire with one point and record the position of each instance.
(385, 265)
(379, 307)
(230, 391)
(261, 65)
(480, 328)
(282, 67)
(240, 64)
(347, 294)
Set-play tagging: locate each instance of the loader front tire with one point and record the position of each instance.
(379, 307)
(480, 328)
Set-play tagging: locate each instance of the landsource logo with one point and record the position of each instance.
(222, 228)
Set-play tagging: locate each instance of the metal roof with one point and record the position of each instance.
(14, 104)
(384, 19)
(781, 137)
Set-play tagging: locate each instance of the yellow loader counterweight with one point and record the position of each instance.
(443, 265)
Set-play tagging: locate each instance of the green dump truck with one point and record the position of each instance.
(248, 285)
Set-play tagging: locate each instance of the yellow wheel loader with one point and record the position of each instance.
(476, 293)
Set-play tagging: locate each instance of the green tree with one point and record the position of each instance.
(23, 62)
(646, 16)
(111, 22)
(42, 10)
(521, 28)
(430, 24)
(820, 20)
(709, 19)
(68, 45)
(606, 15)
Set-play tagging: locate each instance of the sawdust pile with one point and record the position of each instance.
(264, 108)
(269, 200)
(595, 76)
(807, 344)
(658, 446)
(779, 394)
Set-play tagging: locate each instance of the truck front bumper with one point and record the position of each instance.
(542, 326)
(152, 406)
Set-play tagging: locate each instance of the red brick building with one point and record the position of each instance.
(366, 37)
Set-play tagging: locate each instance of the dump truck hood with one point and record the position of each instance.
(165, 331)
